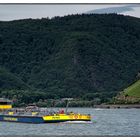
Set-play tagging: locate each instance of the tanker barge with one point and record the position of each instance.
(34, 114)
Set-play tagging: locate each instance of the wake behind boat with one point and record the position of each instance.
(78, 122)
(34, 114)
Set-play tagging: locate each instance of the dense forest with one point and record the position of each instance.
(89, 57)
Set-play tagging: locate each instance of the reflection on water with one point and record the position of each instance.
(105, 122)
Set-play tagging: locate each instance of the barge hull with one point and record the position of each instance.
(42, 119)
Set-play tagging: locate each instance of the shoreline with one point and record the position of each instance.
(105, 106)
(118, 106)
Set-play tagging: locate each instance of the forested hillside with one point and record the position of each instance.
(81, 56)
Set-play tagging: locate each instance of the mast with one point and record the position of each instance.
(67, 103)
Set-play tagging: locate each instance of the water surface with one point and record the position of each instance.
(105, 122)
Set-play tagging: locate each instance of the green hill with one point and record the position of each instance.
(130, 95)
(133, 90)
(72, 56)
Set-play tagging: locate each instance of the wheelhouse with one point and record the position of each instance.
(5, 104)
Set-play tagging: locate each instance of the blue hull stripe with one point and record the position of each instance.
(22, 119)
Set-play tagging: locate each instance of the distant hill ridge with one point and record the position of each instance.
(71, 56)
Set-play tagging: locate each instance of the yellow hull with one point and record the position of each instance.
(65, 117)
(5, 107)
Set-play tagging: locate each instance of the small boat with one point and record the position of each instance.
(34, 114)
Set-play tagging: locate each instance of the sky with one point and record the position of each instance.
(21, 11)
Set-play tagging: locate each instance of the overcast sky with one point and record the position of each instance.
(12, 12)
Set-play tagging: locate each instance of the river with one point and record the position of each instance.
(105, 122)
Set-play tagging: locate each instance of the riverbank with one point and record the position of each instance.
(118, 106)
